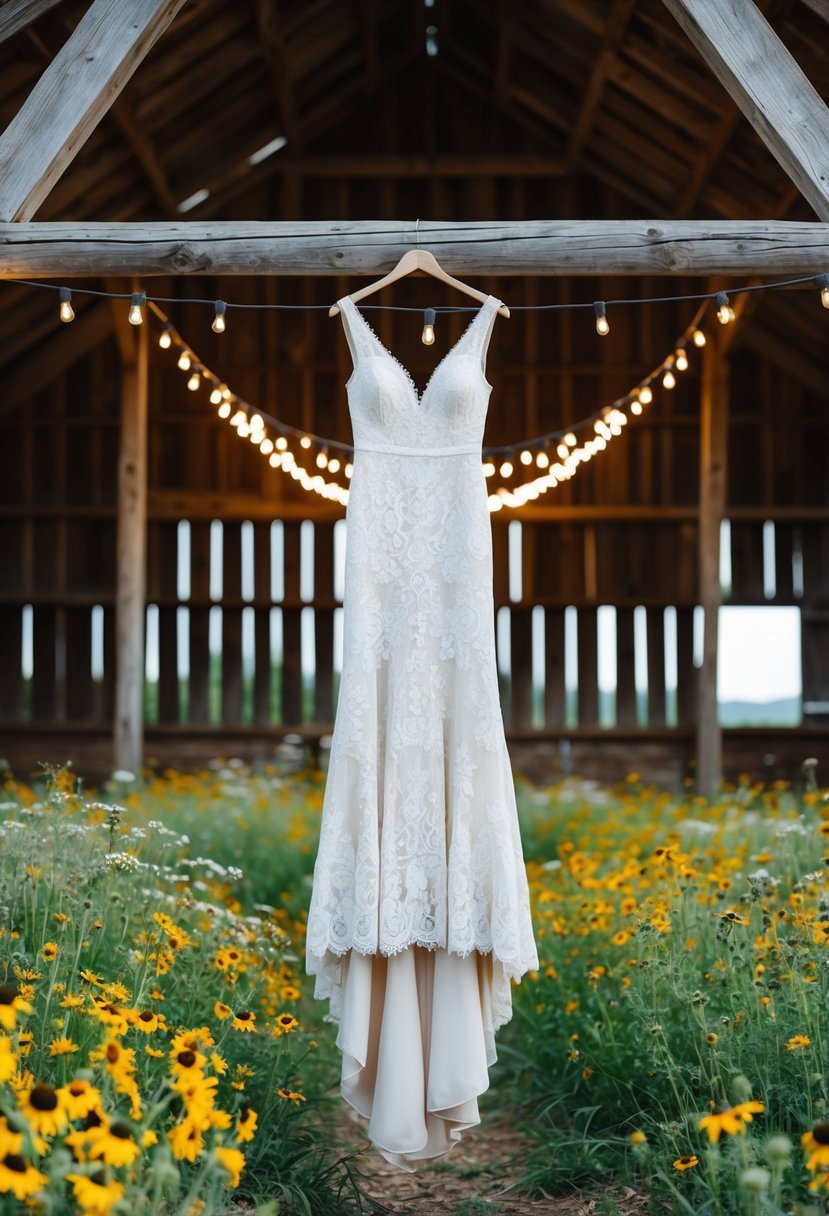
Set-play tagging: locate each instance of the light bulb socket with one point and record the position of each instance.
(820, 280)
(429, 314)
(65, 295)
(722, 300)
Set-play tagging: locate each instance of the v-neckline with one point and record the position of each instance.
(419, 397)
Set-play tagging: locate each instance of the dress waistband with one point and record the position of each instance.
(400, 451)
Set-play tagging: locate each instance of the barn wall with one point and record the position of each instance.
(58, 465)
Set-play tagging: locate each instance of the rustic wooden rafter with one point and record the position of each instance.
(50, 358)
(821, 7)
(276, 56)
(71, 96)
(17, 15)
(617, 21)
(740, 46)
(372, 247)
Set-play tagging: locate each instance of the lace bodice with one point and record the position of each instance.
(387, 411)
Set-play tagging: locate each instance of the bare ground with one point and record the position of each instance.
(477, 1178)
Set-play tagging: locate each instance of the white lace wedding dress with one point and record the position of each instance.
(419, 915)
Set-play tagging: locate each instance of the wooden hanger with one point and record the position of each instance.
(426, 263)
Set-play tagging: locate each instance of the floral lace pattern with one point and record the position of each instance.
(419, 839)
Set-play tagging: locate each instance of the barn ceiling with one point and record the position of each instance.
(606, 107)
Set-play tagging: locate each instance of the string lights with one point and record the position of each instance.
(556, 455)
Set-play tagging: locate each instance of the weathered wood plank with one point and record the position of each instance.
(373, 247)
(739, 45)
(72, 95)
(131, 563)
(713, 469)
(17, 15)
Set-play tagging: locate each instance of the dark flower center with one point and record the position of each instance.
(43, 1097)
(14, 1162)
(99, 1178)
(146, 1016)
(93, 1120)
(77, 1088)
(244, 1015)
(7, 994)
(121, 1130)
(186, 1059)
(113, 1052)
(821, 1133)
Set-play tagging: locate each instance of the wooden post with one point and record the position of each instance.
(128, 739)
(713, 465)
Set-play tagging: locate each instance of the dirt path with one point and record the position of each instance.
(477, 1178)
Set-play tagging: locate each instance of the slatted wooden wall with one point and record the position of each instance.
(622, 532)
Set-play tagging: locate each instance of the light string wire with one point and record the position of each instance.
(819, 280)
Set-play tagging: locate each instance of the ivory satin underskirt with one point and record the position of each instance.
(417, 1035)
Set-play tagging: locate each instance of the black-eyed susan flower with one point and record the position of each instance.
(148, 1021)
(816, 1144)
(798, 1042)
(114, 1144)
(95, 1194)
(148, 1138)
(154, 1052)
(218, 1063)
(43, 1109)
(50, 951)
(285, 1023)
(685, 1163)
(62, 1047)
(8, 1060)
(186, 1063)
(232, 1160)
(73, 1001)
(10, 1141)
(19, 1178)
(289, 992)
(712, 1039)
(222, 1011)
(729, 1119)
(185, 1140)
(246, 1124)
(11, 1004)
(245, 1020)
(79, 1097)
(290, 1095)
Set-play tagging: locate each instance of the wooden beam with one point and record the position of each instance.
(739, 45)
(372, 247)
(821, 7)
(278, 61)
(131, 560)
(713, 464)
(603, 65)
(71, 96)
(17, 15)
(24, 378)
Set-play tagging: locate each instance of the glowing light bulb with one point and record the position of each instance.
(698, 337)
(570, 439)
(725, 313)
(282, 443)
(266, 446)
(349, 469)
(669, 379)
(216, 396)
(238, 418)
(542, 460)
(646, 394)
(65, 310)
(194, 382)
(218, 325)
(224, 409)
(322, 460)
(563, 450)
(184, 361)
(428, 335)
(333, 465)
(305, 441)
(165, 338)
(489, 469)
(681, 360)
(636, 407)
(506, 469)
(135, 315)
(526, 456)
(602, 326)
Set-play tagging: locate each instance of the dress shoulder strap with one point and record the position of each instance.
(480, 331)
(358, 334)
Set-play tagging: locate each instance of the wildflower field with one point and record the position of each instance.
(160, 1050)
